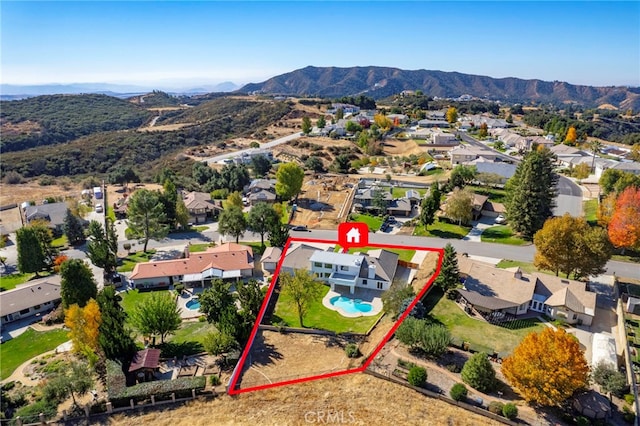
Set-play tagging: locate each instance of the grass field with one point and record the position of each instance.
(60, 242)
(590, 208)
(494, 194)
(198, 247)
(480, 334)
(374, 222)
(442, 229)
(133, 297)
(320, 317)
(400, 192)
(405, 255)
(7, 282)
(26, 346)
(525, 266)
(501, 234)
(129, 262)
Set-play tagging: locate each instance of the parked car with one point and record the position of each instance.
(501, 219)
(299, 228)
(391, 219)
(99, 208)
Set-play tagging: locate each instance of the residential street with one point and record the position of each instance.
(265, 145)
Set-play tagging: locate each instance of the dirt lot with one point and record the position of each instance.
(359, 398)
(277, 357)
(321, 203)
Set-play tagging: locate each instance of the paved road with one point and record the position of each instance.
(569, 198)
(265, 145)
(499, 251)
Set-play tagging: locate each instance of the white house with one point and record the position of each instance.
(30, 299)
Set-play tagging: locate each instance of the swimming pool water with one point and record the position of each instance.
(352, 306)
(193, 304)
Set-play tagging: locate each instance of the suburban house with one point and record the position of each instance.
(200, 206)
(247, 157)
(363, 200)
(270, 258)
(54, 213)
(400, 118)
(433, 123)
(375, 269)
(439, 138)
(413, 196)
(33, 298)
(478, 120)
(261, 190)
(400, 207)
(228, 261)
(498, 294)
(500, 171)
(346, 108)
(464, 153)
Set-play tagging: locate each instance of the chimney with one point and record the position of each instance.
(186, 251)
(372, 271)
(518, 274)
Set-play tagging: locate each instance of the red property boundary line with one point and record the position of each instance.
(231, 390)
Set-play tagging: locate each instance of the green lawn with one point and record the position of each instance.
(129, 262)
(194, 248)
(400, 192)
(442, 229)
(494, 194)
(132, 298)
(26, 346)
(8, 282)
(405, 255)
(525, 266)
(480, 334)
(193, 331)
(198, 228)
(374, 222)
(501, 234)
(60, 242)
(590, 208)
(320, 317)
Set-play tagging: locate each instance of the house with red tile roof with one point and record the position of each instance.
(228, 261)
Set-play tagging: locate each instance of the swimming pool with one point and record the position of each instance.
(351, 306)
(193, 304)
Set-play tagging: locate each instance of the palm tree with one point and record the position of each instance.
(595, 147)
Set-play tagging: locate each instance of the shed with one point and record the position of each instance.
(145, 363)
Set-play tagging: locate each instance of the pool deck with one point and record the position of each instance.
(186, 313)
(364, 295)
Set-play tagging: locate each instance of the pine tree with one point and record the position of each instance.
(531, 193)
(77, 283)
(114, 339)
(31, 258)
(73, 228)
(146, 216)
(102, 248)
(430, 205)
(479, 373)
(449, 276)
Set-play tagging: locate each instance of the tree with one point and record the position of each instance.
(624, 228)
(289, 179)
(217, 343)
(606, 208)
(461, 176)
(339, 114)
(262, 218)
(478, 373)
(458, 392)
(569, 245)
(431, 339)
(234, 199)
(609, 379)
(531, 193)
(449, 276)
(452, 115)
(430, 205)
(102, 248)
(417, 376)
(302, 288)
(460, 206)
(341, 164)
(315, 164)
(547, 367)
(115, 338)
(77, 285)
(250, 297)
(393, 299)
(45, 239)
(260, 165)
(595, 146)
(232, 222)
(146, 216)
(510, 410)
(278, 234)
(321, 122)
(84, 324)
(483, 131)
(418, 311)
(215, 300)
(382, 121)
(306, 125)
(233, 177)
(123, 175)
(72, 380)
(159, 315)
(571, 137)
(30, 254)
(635, 152)
(182, 213)
(581, 171)
(509, 118)
(73, 228)
(379, 201)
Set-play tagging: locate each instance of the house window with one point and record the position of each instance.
(317, 264)
(344, 268)
(327, 265)
(364, 282)
(326, 274)
(36, 307)
(24, 311)
(380, 285)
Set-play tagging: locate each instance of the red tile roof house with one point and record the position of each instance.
(228, 261)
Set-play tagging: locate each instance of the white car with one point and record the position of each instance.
(501, 219)
(99, 208)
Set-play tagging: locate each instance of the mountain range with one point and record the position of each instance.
(382, 82)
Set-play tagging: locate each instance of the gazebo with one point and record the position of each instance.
(144, 364)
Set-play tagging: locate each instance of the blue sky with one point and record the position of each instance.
(180, 43)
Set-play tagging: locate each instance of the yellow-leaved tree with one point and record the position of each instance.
(83, 326)
(572, 135)
(452, 115)
(383, 121)
(547, 367)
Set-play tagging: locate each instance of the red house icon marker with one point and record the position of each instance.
(353, 234)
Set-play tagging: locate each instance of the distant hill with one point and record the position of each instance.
(381, 82)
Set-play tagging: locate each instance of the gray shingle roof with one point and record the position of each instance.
(32, 293)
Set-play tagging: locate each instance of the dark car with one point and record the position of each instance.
(300, 228)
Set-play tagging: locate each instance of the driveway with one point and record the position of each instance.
(478, 228)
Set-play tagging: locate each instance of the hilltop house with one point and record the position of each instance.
(261, 190)
(228, 261)
(508, 293)
(30, 299)
(465, 153)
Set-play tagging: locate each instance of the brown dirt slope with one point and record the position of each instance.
(357, 399)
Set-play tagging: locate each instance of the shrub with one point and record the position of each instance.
(629, 398)
(220, 194)
(458, 392)
(352, 350)
(510, 411)
(179, 288)
(405, 364)
(215, 380)
(629, 416)
(29, 413)
(496, 407)
(479, 373)
(417, 376)
(454, 368)
(13, 178)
